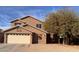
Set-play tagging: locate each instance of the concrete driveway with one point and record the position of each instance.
(38, 48)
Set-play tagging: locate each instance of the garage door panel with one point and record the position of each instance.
(19, 39)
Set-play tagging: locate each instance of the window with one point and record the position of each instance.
(17, 24)
(38, 25)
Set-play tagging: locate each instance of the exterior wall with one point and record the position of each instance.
(43, 34)
(15, 31)
(30, 21)
(19, 30)
(24, 30)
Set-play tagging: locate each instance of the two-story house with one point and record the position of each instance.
(26, 30)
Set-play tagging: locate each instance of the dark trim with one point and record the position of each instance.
(25, 29)
(25, 18)
(15, 28)
(14, 20)
(18, 33)
(36, 28)
(10, 29)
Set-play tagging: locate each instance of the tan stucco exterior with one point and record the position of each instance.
(27, 29)
(39, 32)
(15, 31)
(29, 20)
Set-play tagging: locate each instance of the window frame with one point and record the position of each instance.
(18, 24)
(39, 25)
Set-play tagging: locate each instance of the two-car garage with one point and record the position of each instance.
(18, 38)
(25, 35)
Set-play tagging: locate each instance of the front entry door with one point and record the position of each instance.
(34, 38)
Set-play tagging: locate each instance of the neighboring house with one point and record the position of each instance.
(1, 36)
(26, 30)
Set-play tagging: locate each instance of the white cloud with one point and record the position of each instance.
(4, 27)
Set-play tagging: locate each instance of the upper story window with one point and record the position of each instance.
(38, 25)
(17, 24)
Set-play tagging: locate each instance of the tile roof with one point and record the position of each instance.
(24, 18)
(26, 29)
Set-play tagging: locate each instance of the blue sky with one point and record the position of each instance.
(9, 13)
